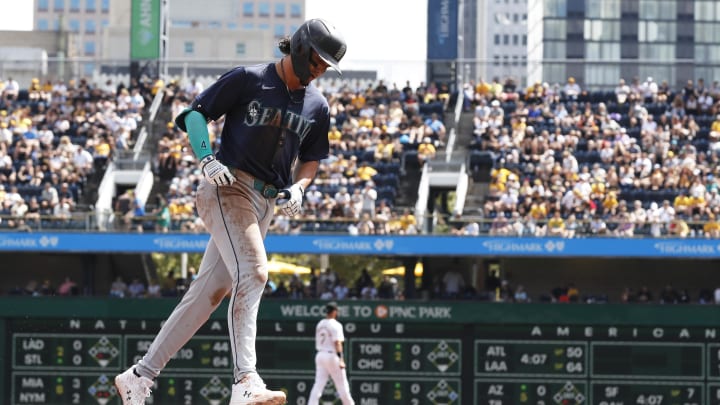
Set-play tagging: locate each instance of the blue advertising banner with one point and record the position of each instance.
(442, 30)
(373, 245)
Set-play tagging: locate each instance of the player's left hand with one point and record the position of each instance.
(292, 205)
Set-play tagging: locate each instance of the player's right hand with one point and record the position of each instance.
(216, 172)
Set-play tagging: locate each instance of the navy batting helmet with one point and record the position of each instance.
(318, 35)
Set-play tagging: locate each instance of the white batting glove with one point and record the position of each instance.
(292, 205)
(216, 172)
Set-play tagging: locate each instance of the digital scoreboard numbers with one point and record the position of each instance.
(29, 387)
(405, 356)
(508, 391)
(208, 353)
(201, 352)
(530, 358)
(169, 388)
(216, 389)
(369, 390)
(647, 393)
(405, 371)
(73, 361)
(65, 351)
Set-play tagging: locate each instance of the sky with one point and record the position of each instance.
(388, 36)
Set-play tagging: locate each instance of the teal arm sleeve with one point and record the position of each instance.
(198, 134)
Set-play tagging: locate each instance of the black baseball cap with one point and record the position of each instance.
(331, 306)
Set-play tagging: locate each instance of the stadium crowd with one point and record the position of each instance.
(328, 285)
(371, 126)
(53, 136)
(638, 160)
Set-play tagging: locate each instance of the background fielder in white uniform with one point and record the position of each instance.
(329, 360)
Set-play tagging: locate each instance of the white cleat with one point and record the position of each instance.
(251, 390)
(132, 389)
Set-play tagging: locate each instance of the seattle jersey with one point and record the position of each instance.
(327, 332)
(266, 126)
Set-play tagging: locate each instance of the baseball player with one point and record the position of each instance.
(274, 135)
(329, 360)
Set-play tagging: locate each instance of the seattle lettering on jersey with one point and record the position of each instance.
(269, 116)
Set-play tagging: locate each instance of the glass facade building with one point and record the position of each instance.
(600, 41)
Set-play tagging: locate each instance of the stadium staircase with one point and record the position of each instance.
(448, 172)
(476, 166)
(159, 126)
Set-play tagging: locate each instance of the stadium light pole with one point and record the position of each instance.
(460, 59)
(164, 39)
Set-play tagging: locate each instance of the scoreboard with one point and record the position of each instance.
(57, 351)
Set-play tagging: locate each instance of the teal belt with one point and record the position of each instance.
(266, 189)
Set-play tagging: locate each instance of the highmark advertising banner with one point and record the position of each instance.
(61, 242)
(145, 29)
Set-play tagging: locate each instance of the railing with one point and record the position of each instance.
(120, 222)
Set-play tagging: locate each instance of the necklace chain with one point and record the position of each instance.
(284, 79)
(282, 71)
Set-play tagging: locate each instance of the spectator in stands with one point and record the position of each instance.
(463, 228)
(364, 280)
(31, 289)
(366, 172)
(136, 215)
(435, 129)
(369, 292)
(137, 102)
(625, 224)
(666, 214)
(136, 289)
(154, 289)
(49, 194)
(369, 199)
(598, 225)
(711, 229)
(46, 289)
(622, 91)
(500, 226)
(386, 149)
(340, 290)
(408, 223)
(679, 228)
(366, 226)
(386, 289)
(556, 225)
(521, 295)
(453, 284)
(11, 90)
(571, 89)
(83, 161)
(426, 151)
(644, 295)
(118, 288)
(68, 287)
(649, 90)
(669, 295)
